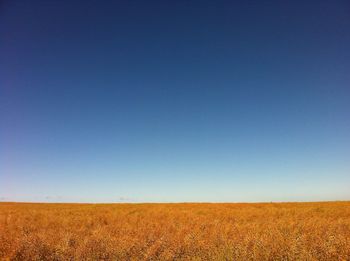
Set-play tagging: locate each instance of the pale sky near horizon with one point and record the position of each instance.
(168, 101)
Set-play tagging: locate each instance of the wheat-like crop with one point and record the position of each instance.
(264, 231)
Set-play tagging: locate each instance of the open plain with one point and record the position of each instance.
(186, 231)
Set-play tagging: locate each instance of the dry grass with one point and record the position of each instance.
(284, 231)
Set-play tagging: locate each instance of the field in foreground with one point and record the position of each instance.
(281, 231)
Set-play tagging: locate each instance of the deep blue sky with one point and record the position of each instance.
(174, 100)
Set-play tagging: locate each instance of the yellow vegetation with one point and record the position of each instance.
(266, 231)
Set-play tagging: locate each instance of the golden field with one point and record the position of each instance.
(264, 231)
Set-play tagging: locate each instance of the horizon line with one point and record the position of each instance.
(172, 202)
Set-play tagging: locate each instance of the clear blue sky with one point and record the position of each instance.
(106, 101)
